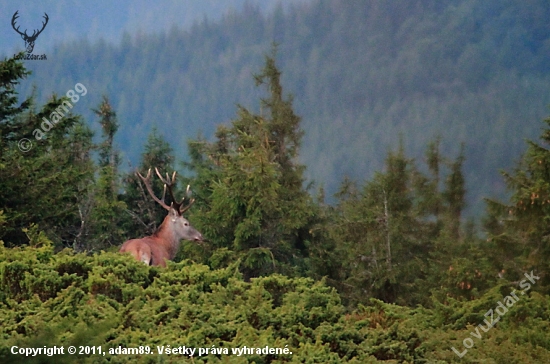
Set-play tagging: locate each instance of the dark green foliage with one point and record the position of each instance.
(454, 195)
(254, 203)
(394, 233)
(106, 213)
(46, 184)
(519, 230)
(108, 155)
(145, 213)
(11, 72)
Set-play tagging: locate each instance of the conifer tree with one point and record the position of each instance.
(38, 185)
(519, 231)
(12, 72)
(145, 213)
(386, 232)
(108, 211)
(257, 207)
(384, 241)
(434, 160)
(454, 196)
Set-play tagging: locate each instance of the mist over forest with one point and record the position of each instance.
(363, 77)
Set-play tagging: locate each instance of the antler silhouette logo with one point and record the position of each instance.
(29, 39)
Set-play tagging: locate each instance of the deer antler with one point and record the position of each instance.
(168, 184)
(34, 34)
(13, 19)
(43, 26)
(147, 182)
(191, 201)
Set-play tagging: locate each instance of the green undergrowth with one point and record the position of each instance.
(112, 301)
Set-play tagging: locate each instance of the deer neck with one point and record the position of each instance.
(168, 238)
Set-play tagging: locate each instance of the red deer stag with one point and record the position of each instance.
(165, 242)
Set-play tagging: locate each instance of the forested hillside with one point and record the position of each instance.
(391, 272)
(71, 20)
(363, 74)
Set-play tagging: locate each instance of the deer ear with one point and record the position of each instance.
(173, 212)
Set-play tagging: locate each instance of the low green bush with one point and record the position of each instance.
(112, 301)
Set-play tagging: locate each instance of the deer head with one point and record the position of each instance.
(178, 224)
(29, 39)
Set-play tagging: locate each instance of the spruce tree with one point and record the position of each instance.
(519, 231)
(145, 213)
(256, 207)
(45, 185)
(454, 196)
(108, 211)
(386, 232)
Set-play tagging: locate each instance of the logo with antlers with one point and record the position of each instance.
(29, 39)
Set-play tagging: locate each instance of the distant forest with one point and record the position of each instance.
(364, 75)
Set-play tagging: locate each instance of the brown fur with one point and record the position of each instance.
(164, 243)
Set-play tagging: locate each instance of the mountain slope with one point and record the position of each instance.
(364, 75)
